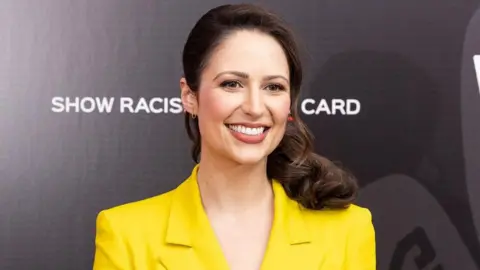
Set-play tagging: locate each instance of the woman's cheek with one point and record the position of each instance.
(217, 105)
(283, 109)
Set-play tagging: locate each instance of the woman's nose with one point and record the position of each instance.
(254, 104)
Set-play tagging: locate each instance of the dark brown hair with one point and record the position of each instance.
(308, 178)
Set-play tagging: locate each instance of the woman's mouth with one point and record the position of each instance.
(253, 131)
(248, 133)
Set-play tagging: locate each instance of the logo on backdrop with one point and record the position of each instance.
(173, 105)
(156, 105)
(476, 62)
(334, 106)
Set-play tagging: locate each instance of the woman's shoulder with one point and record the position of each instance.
(143, 211)
(353, 211)
(352, 215)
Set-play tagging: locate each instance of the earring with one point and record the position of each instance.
(194, 116)
(290, 117)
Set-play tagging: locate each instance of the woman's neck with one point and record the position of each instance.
(229, 187)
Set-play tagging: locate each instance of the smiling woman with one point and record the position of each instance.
(259, 198)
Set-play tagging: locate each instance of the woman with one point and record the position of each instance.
(259, 197)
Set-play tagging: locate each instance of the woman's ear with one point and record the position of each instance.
(189, 99)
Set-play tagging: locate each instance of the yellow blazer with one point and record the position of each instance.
(171, 231)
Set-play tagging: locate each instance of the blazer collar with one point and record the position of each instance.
(185, 210)
(289, 217)
(187, 218)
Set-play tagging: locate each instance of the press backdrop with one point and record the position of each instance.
(402, 71)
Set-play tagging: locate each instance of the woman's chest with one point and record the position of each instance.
(243, 244)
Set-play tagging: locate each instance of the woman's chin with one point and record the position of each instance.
(248, 158)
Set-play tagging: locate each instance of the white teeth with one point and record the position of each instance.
(247, 130)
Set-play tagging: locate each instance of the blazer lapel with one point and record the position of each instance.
(190, 242)
(290, 238)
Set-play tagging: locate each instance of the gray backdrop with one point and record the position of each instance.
(414, 144)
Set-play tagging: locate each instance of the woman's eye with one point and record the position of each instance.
(276, 87)
(230, 84)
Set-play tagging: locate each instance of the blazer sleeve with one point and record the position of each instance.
(110, 250)
(361, 253)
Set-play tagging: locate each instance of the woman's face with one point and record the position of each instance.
(243, 100)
